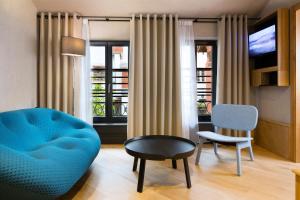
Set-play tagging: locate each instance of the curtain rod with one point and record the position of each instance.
(127, 19)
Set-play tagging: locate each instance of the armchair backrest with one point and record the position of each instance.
(235, 117)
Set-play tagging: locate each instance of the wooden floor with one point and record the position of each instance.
(111, 177)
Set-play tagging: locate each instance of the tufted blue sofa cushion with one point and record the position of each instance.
(43, 152)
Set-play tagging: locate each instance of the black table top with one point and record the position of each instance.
(160, 147)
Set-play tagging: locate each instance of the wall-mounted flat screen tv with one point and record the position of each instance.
(263, 41)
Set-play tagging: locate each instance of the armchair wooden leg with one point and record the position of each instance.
(216, 148)
(199, 151)
(251, 152)
(238, 160)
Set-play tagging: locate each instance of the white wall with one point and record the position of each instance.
(272, 5)
(120, 30)
(18, 54)
(101, 30)
(274, 102)
(205, 31)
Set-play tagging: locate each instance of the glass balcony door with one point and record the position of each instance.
(109, 75)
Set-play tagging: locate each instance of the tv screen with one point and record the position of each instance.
(263, 41)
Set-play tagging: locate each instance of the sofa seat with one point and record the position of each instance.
(43, 152)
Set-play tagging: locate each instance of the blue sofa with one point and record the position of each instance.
(43, 153)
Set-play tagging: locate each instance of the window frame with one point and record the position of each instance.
(109, 80)
(212, 43)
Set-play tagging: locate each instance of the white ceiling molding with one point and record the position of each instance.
(272, 5)
(186, 8)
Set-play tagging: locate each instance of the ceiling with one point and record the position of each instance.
(188, 8)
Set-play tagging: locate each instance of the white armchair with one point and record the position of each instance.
(234, 117)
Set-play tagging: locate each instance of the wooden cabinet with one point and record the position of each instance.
(275, 75)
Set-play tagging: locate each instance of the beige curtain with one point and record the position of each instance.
(233, 79)
(55, 72)
(154, 81)
(233, 82)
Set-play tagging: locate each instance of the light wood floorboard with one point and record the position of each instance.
(110, 177)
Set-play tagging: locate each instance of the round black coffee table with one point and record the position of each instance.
(159, 147)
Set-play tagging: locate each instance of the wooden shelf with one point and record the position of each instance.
(276, 75)
(267, 69)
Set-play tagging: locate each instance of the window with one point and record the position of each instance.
(109, 78)
(206, 64)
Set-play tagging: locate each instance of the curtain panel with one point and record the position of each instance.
(55, 72)
(188, 79)
(154, 81)
(233, 81)
(233, 77)
(82, 80)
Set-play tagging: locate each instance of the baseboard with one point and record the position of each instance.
(274, 136)
(112, 133)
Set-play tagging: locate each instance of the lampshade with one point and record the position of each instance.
(71, 46)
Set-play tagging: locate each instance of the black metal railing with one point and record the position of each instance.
(204, 91)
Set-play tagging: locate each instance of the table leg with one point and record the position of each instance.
(174, 164)
(141, 175)
(187, 173)
(135, 163)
